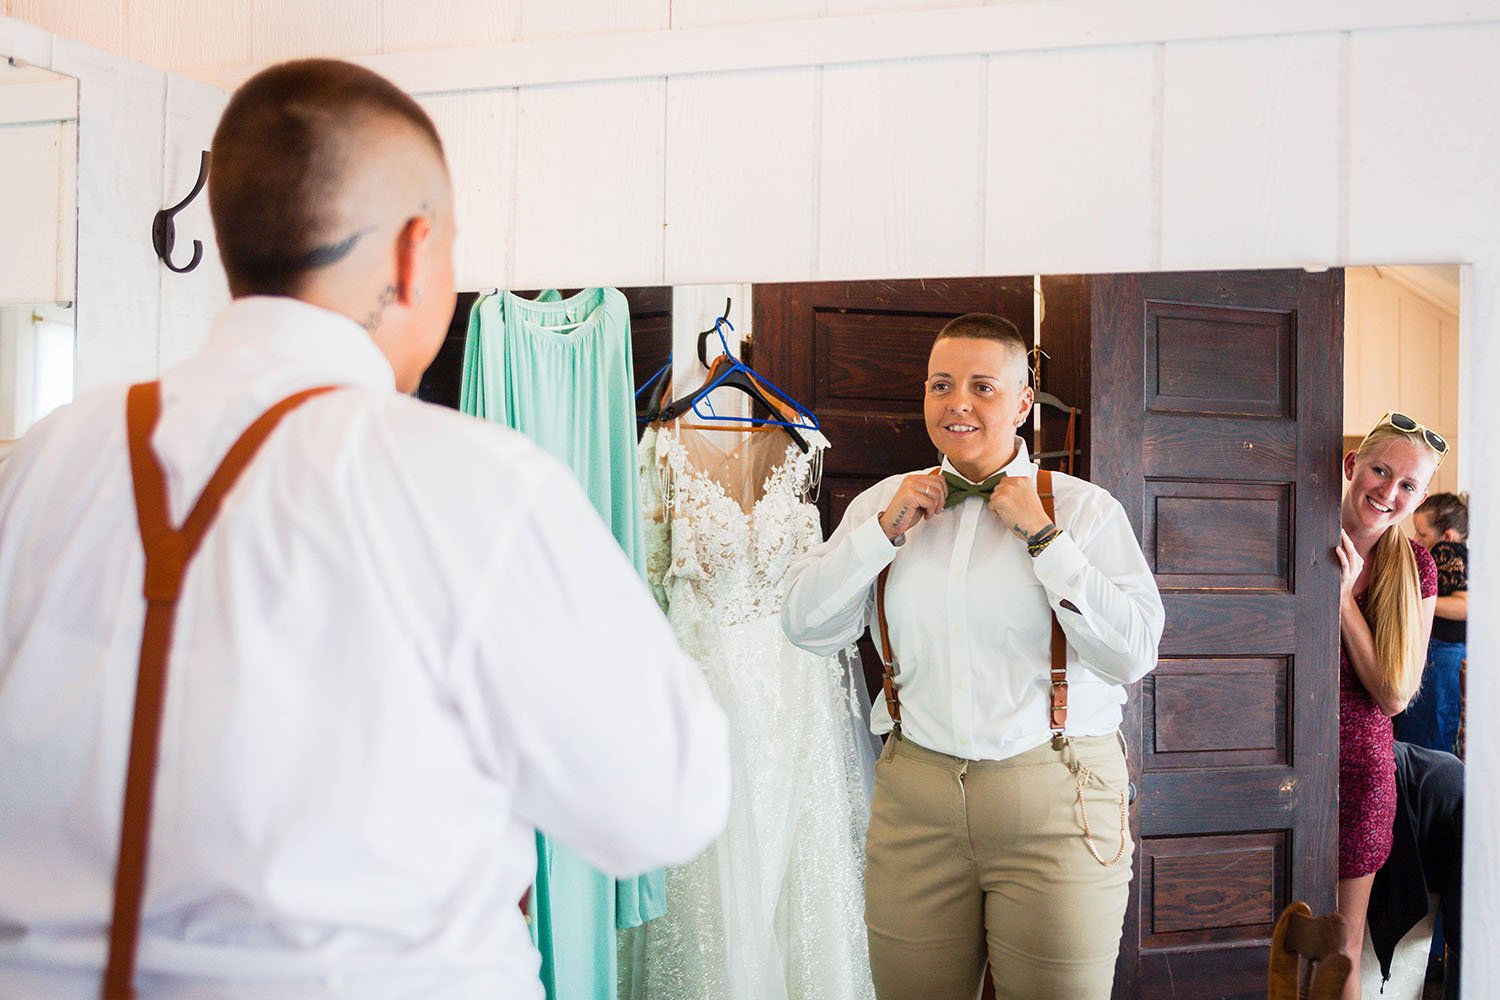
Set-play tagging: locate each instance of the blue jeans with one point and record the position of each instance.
(1431, 720)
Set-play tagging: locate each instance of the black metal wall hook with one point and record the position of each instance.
(703, 337)
(164, 226)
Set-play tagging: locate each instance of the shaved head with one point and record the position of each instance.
(997, 329)
(310, 158)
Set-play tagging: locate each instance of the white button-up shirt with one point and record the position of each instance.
(969, 615)
(407, 641)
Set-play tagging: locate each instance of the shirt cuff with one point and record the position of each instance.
(1059, 562)
(871, 547)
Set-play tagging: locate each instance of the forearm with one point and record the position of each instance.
(829, 589)
(1359, 644)
(1454, 607)
(1103, 593)
(569, 661)
(1118, 620)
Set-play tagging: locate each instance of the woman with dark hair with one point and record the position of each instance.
(1387, 589)
(1431, 720)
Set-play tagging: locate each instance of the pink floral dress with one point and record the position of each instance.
(1367, 768)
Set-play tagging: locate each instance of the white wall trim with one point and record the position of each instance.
(1008, 28)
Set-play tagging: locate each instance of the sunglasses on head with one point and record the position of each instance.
(1407, 425)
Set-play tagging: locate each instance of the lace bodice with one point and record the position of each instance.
(727, 560)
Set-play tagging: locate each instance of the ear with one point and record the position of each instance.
(411, 262)
(1028, 399)
(1349, 466)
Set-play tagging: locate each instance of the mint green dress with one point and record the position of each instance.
(559, 371)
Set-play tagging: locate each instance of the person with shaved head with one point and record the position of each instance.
(1013, 606)
(291, 664)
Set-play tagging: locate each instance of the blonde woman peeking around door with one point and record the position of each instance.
(999, 826)
(1387, 594)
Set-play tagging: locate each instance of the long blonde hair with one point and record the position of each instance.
(1393, 603)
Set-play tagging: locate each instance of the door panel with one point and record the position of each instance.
(1216, 405)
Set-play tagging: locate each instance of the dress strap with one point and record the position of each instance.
(168, 553)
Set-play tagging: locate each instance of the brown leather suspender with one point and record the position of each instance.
(1057, 716)
(168, 553)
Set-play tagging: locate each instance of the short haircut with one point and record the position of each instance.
(987, 326)
(280, 155)
(1447, 512)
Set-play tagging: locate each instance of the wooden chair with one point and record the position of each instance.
(1307, 959)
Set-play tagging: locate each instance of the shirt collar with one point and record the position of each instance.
(273, 332)
(1018, 466)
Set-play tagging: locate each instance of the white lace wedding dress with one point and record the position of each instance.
(774, 910)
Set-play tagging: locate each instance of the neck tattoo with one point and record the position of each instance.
(372, 322)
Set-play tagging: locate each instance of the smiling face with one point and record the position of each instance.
(976, 397)
(1386, 483)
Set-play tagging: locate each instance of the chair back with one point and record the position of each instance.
(1307, 959)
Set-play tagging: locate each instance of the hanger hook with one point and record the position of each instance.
(164, 225)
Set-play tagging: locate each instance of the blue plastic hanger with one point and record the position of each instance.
(740, 376)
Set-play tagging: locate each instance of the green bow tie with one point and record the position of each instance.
(960, 489)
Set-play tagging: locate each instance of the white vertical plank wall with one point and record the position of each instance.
(588, 205)
(702, 13)
(412, 25)
(1077, 109)
(187, 300)
(740, 151)
(1424, 135)
(1312, 144)
(479, 137)
(550, 19)
(100, 23)
(290, 29)
(902, 162)
(121, 124)
(25, 42)
(169, 33)
(1250, 161)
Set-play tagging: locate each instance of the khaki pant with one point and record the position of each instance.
(969, 861)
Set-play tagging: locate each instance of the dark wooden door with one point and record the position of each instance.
(1214, 418)
(1211, 410)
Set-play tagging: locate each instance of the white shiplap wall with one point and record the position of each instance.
(140, 135)
(1282, 139)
